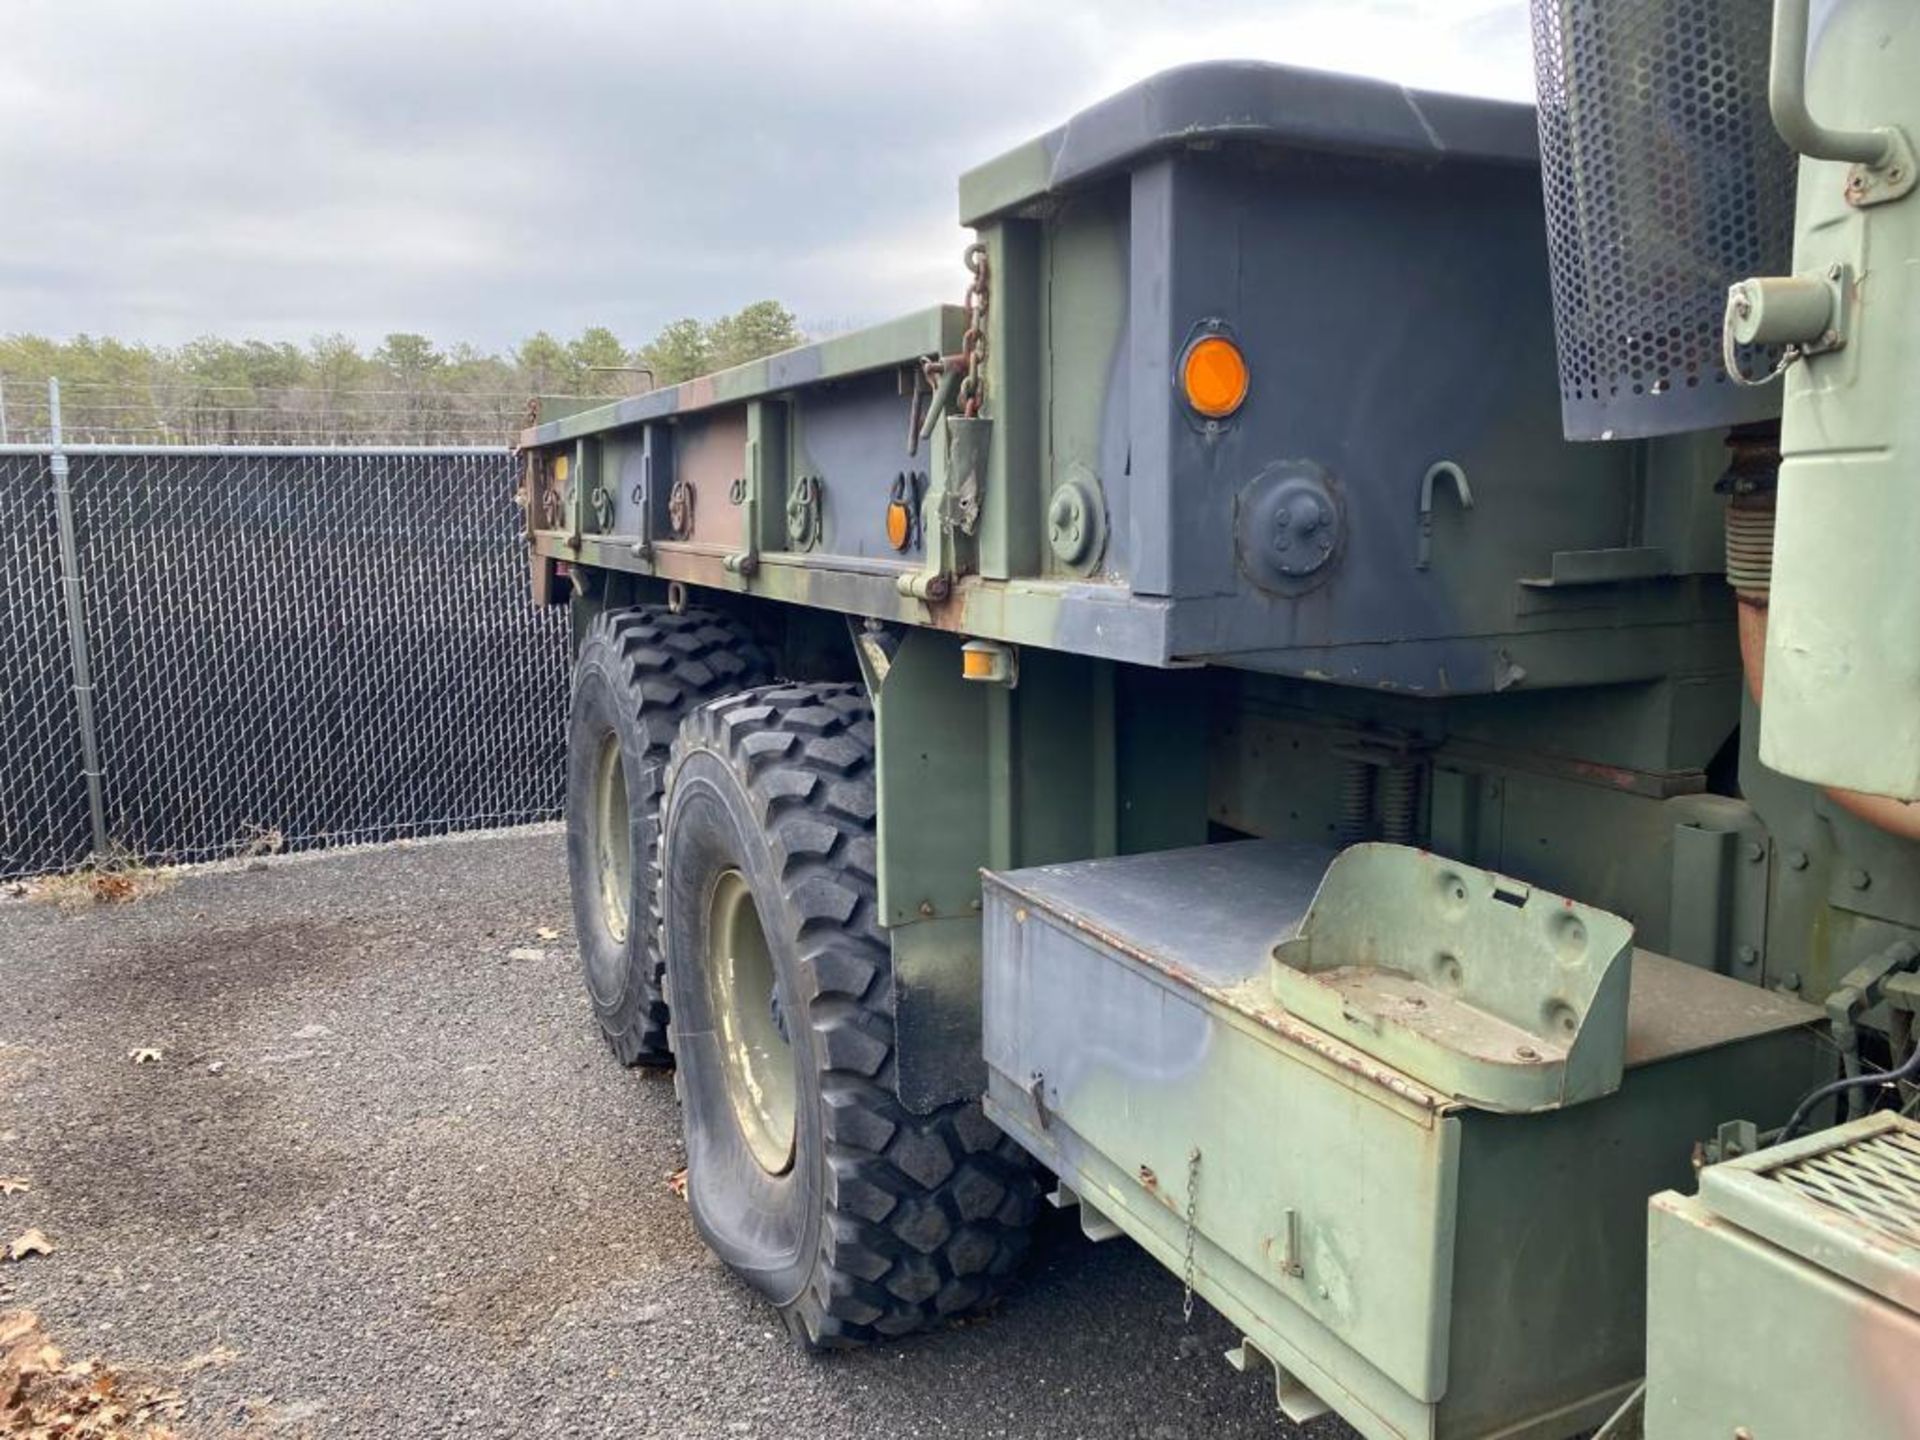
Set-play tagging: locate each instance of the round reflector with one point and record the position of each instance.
(1213, 376)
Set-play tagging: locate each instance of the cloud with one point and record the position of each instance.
(477, 170)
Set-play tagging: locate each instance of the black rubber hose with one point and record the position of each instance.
(1907, 1069)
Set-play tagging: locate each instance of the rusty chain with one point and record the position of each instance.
(973, 345)
(1187, 1266)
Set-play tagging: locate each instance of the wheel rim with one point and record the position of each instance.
(756, 1055)
(613, 849)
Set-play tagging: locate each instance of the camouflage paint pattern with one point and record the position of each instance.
(1544, 655)
(1429, 1267)
(1292, 238)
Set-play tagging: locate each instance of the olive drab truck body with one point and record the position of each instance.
(1336, 715)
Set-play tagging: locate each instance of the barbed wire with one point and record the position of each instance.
(166, 413)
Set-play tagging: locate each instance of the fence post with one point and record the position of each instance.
(5, 439)
(76, 607)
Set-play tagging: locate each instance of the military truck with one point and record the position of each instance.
(1351, 713)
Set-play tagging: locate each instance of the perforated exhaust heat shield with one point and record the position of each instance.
(1665, 183)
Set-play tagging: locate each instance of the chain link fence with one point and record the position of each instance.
(288, 649)
(43, 801)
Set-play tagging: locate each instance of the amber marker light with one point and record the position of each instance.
(899, 525)
(990, 662)
(1213, 376)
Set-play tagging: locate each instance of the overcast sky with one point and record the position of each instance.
(478, 170)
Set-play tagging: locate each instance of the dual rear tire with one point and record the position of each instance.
(856, 1218)
(638, 674)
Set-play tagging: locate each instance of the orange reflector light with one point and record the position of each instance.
(989, 661)
(899, 525)
(1214, 376)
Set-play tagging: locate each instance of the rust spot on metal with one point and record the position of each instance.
(947, 611)
(680, 502)
(1150, 1182)
(1611, 775)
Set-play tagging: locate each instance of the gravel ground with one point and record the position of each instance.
(385, 1180)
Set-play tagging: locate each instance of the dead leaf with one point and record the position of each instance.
(110, 886)
(546, 932)
(677, 1182)
(42, 1399)
(12, 1184)
(16, 1323)
(31, 1243)
(526, 953)
(144, 1056)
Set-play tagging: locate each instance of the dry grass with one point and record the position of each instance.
(118, 878)
(113, 881)
(259, 841)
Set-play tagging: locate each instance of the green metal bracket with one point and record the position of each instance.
(974, 774)
(1496, 993)
(1010, 520)
(656, 480)
(950, 513)
(583, 481)
(930, 729)
(761, 493)
(1718, 887)
(1603, 567)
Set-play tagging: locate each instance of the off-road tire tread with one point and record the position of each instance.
(924, 1216)
(669, 664)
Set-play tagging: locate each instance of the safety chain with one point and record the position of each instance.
(1186, 1269)
(1730, 358)
(973, 346)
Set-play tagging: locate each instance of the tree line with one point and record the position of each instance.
(405, 390)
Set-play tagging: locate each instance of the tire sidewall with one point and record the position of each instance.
(611, 967)
(764, 1226)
